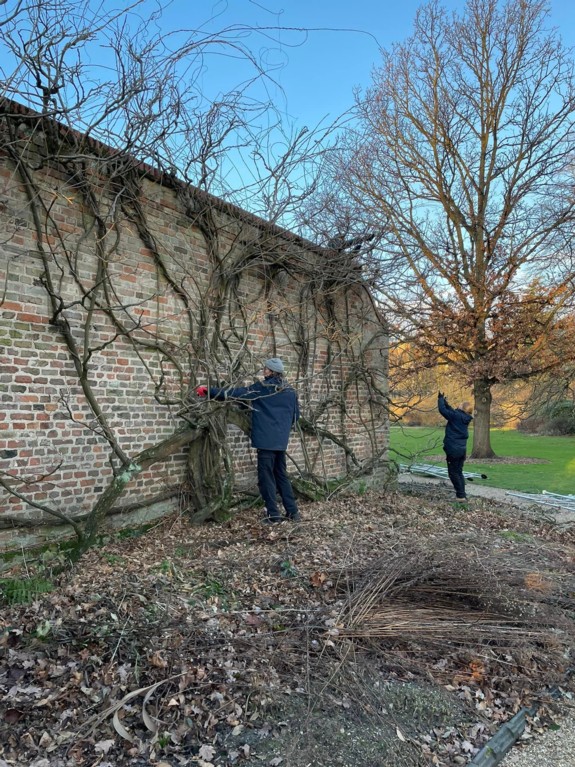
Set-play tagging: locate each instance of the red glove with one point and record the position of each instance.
(202, 391)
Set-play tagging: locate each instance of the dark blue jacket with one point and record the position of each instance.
(274, 407)
(456, 431)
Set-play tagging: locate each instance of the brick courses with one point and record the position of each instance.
(49, 438)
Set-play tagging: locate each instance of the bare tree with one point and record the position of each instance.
(462, 158)
(84, 154)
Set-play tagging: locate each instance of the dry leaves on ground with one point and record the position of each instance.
(385, 629)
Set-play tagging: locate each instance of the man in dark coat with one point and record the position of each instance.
(275, 410)
(455, 441)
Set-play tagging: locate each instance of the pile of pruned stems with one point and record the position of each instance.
(413, 613)
(418, 605)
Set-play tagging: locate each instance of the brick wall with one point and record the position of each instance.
(161, 288)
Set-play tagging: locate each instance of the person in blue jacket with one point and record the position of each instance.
(455, 441)
(275, 410)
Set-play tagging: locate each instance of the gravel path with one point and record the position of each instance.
(552, 749)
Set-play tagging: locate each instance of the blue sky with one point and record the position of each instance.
(318, 52)
(318, 68)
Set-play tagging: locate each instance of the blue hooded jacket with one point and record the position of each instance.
(456, 431)
(274, 406)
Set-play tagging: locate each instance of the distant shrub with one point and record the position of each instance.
(413, 419)
(562, 418)
(532, 425)
(556, 420)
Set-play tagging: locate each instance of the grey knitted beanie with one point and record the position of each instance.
(275, 365)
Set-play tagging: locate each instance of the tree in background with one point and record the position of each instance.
(549, 402)
(461, 163)
(527, 391)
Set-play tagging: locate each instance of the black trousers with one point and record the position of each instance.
(273, 479)
(455, 472)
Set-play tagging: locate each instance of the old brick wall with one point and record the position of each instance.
(161, 288)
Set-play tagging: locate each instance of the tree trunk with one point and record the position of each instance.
(482, 420)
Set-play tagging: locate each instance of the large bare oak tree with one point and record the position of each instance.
(462, 161)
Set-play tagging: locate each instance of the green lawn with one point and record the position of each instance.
(557, 475)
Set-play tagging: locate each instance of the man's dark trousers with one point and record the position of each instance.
(455, 472)
(273, 479)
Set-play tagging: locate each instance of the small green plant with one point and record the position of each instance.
(113, 559)
(212, 587)
(164, 740)
(212, 590)
(183, 551)
(43, 629)
(513, 535)
(135, 532)
(169, 569)
(165, 567)
(287, 569)
(22, 590)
